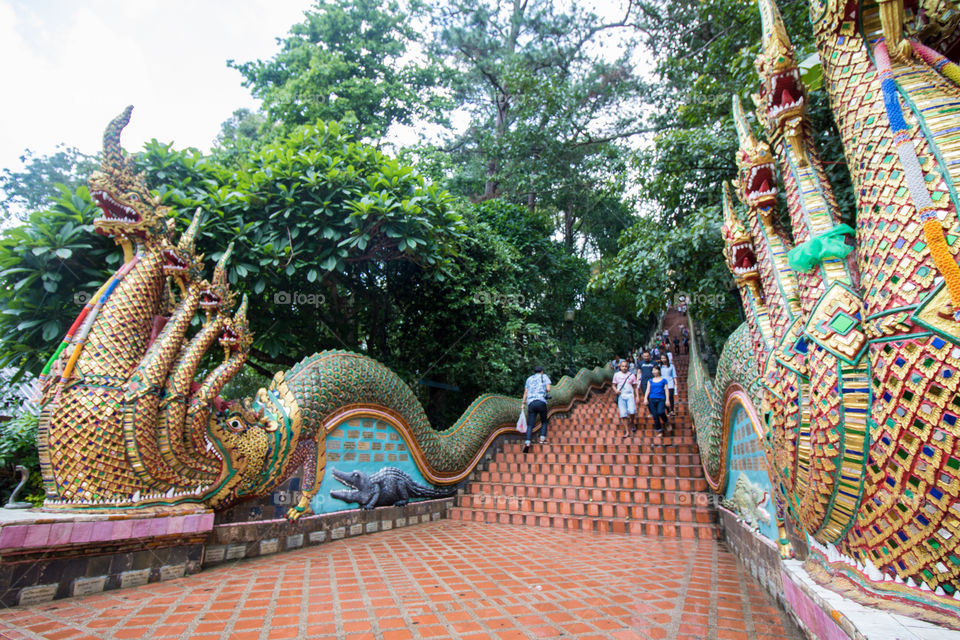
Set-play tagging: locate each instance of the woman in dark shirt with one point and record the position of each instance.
(656, 398)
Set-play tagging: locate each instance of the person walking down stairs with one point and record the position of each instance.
(658, 401)
(535, 400)
(670, 373)
(625, 392)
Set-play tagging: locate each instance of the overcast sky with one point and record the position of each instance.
(69, 67)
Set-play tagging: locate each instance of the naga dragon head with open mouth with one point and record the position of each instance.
(217, 294)
(738, 246)
(782, 101)
(756, 174)
(181, 262)
(130, 212)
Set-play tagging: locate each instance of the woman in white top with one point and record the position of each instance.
(668, 372)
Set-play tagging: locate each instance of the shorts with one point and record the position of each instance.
(627, 406)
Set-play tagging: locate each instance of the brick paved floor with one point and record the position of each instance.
(440, 580)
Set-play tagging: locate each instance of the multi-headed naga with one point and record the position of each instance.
(127, 421)
(856, 330)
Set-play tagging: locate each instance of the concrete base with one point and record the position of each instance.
(819, 612)
(50, 555)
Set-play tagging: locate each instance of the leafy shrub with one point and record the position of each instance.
(18, 445)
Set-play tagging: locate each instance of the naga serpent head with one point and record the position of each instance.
(217, 294)
(236, 335)
(782, 101)
(130, 212)
(738, 244)
(756, 174)
(181, 262)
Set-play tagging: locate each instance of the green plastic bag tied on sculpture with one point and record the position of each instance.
(828, 245)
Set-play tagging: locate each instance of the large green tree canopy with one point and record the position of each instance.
(350, 60)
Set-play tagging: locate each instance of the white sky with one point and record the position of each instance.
(69, 67)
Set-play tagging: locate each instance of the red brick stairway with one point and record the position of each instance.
(587, 478)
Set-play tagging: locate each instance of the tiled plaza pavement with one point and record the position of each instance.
(445, 579)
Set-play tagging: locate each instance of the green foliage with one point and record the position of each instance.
(348, 61)
(245, 385)
(549, 107)
(49, 265)
(316, 217)
(660, 262)
(239, 134)
(31, 188)
(18, 446)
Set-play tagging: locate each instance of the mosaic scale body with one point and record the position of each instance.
(857, 395)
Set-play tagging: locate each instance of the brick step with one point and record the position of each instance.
(614, 439)
(604, 405)
(665, 456)
(599, 482)
(616, 448)
(613, 416)
(618, 510)
(557, 475)
(686, 496)
(691, 530)
(535, 463)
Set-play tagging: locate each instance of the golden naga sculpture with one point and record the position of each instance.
(855, 332)
(124, 425)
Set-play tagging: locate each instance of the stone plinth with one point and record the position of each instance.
(54, 554)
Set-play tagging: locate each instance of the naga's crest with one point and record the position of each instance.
(737, 243)
(756, 174)
(130, 211)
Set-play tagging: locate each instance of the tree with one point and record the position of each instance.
(705, 54)
(31, 188)
(660, 263)
(548, 103)
(316, 218)
(239, 134)
(354, 61)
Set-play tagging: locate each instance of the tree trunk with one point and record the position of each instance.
(491, 187)
(568, 227)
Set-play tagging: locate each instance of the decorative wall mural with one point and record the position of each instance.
(370, 447)
(749, 493)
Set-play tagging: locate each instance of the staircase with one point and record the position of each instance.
(587, 478)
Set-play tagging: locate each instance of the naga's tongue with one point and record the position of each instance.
(786, 97)
(744, 261)
(764, 187)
